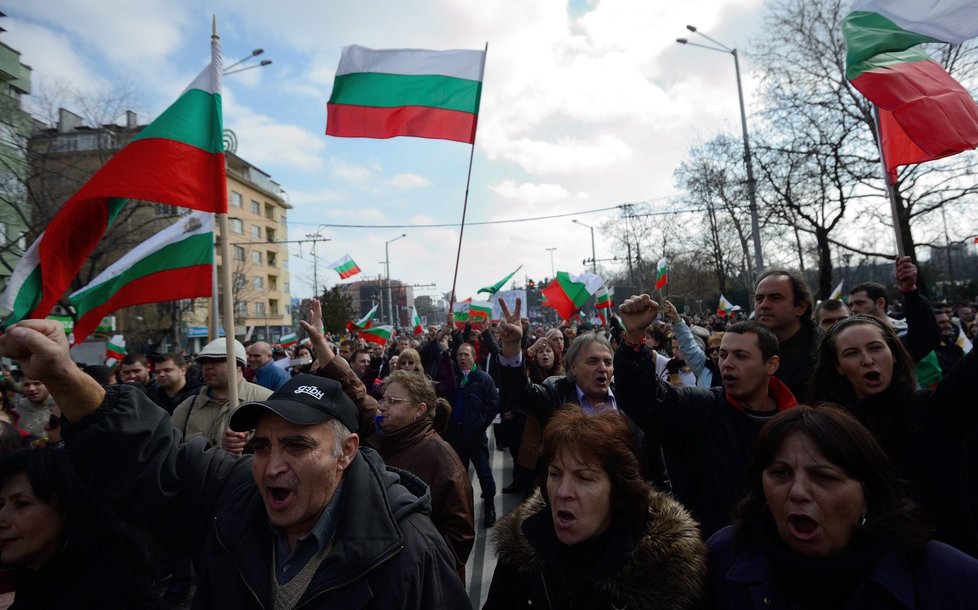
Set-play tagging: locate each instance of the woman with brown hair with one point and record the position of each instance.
(595, 535)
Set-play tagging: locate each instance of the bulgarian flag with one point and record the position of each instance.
(176, 263)
(460, 312)
(498, 285)
(480, 311)
(416, 325)
(604, 300)
(178, 159)
(287, 340)
(345, 267)
(378, 334)
(115, 350)
(924, 113)
(363, 322)
(567, 292)
(726, 307)
(662, 274)
(837, 291)
(406, 92)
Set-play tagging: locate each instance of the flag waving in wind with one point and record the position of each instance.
(837, 292)
(364, 322)
(178, 159)
(406, 92)
(498, 285)
(662, 273)
(567, 293)
(345, 267)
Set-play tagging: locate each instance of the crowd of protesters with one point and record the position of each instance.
(810, 455)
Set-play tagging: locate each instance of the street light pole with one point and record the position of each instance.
(553, 273)
(594, 257)
(387, 267)
(751, 182)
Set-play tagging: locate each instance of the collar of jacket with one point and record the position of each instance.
(665, 570)
(392, 443)
(776, 389)
(364, 538)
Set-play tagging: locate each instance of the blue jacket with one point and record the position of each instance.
(943, 578)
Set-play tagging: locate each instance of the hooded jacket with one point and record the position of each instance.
(386, 552)
(664, 569)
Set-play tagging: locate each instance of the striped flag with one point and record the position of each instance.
(406, 92)
(377, 334)
(287, 340)
(480, 311)
(115, 350)
(567, 293)
(345, 267)
(416, 325)
(604, 300)
(662, 274)
(364, 322)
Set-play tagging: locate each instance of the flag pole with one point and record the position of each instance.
(227, 300)
(888, 181)
(468, 181)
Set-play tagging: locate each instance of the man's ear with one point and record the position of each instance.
(771, 366)
(350, 446)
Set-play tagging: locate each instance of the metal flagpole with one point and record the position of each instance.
(227, 300)
(891, 191)
(468, 180)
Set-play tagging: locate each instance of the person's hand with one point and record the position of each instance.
(510, 329)
(314, 329)
(906, 274)
(636, 313)
(670, 312)
(449, 321)
(41, 348)
(234, 442)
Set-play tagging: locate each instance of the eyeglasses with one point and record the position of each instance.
(390, 401)
(713, 349)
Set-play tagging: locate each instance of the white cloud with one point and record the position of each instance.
(530, 193)
(409, 181)
(564, 155)
(351, 172)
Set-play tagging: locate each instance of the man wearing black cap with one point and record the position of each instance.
(318, 523)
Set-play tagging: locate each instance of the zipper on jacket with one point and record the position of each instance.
(237, 565)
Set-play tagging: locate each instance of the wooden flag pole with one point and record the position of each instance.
(468, 181)
(891, 191)
(227, 299)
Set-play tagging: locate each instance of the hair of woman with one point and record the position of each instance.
(418, 387)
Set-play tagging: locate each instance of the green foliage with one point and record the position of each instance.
(337, 309)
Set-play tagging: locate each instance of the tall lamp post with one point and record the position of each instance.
(387, 267)
(254, 53)
(594, 258)
(751, 183)
(553, 273)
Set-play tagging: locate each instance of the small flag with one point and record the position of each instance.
(662, 274)
(567, 292)
(345, 267)
(460, 313)
(287, 340)
(416, 325)
(837, 292)
(600, 318)
(115, 350)
(498, 285)
(364, 322)
(406, 92)
(480, 311)
(726, 307)
(605, 300)
(377, 334)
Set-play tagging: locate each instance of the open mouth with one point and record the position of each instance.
(564, 518)
(278, 497)
(802, 526)
(728, 379)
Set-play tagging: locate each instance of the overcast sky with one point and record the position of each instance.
(586, 105)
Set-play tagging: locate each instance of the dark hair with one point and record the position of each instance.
(605, 440)
(131, 359)
(846, 443)
(828, 305)
(800, 291)
(175, 357)
(873, 290)
(766, 340)
(828, 384)
(578, 346)
(10, 438)
(100, 373)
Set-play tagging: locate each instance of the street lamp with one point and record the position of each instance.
(387, 266)
(254, 53)
(553, 273)
(594, 258)
(751, 183)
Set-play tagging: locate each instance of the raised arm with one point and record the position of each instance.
(923, 332)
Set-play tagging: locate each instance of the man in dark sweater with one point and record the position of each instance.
(783, 304)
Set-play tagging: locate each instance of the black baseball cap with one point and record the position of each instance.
(303, 400)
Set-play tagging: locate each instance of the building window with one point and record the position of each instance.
(241, 308)
(255, 207)
(259, 308)
(237, 226)
(256, 231)
(271, 259)
(239, 253)
(270, 234)
(256, 257)
(236, 199)
(273, 307)
(284, 221)
(258, 283)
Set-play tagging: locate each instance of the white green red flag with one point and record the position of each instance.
(567, 292)
(377, 334)
(176, 263)
(178, 159)
(416, 326)
(345, 267)
(364, 322)
(837, 291)
(725, 307)
(924, 113)
(605, 299)
(406, 92)
(460, 312)
(288, 340)
(115, 350)
(480, 311)
(662, 273)
(493, 289)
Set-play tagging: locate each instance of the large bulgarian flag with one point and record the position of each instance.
(567, 292)
(345, 267)
(364, 322)
(924, 113)
(406, 92)
(176, 263)
(480, 311)
(178, 159)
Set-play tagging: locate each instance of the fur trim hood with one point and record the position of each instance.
(665, 570)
